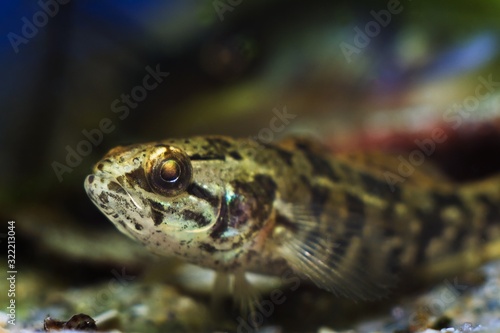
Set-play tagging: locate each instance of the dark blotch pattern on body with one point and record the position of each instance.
(156, 212)
(492, 215)
(235, 155)
(356, 211)
(199, 192)
(199, 218)
(220, 143)
(208, 156)
(393, 260)
(256, 197)
(207, 248)
(492, 210)
(388, 214)
(283, 154)
(380, 188)
(122, 224)
(319, 198)
(339, 249)
(284, 221)
(433, 224)
(138, 176)
(252, 200)
(115, 187)
(104, 198)
(320, 166)
(221, 224)
(453, 200)
(216, 149)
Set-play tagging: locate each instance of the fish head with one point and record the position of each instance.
(170, 196)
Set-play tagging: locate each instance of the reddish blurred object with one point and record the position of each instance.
(465, 153)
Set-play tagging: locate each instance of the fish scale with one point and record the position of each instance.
(238, 205)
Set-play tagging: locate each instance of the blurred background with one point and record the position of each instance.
(80, 77)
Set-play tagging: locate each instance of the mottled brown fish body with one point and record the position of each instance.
(239, 205)
(424, 224)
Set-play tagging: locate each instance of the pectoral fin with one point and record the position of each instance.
(337, 254)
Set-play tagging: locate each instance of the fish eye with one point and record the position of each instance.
(168, 171)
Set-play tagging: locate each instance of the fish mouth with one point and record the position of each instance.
(107, 184)
(88, 185)
(101, 189)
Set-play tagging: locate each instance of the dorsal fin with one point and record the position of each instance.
(421, 172)
(412, 168)
(300, 142)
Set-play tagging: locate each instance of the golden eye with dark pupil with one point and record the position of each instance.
(170, 171)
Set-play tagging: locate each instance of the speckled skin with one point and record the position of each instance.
(248, 206)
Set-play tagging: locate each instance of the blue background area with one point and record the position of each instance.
(67, 76)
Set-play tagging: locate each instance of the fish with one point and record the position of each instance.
(339, 220)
